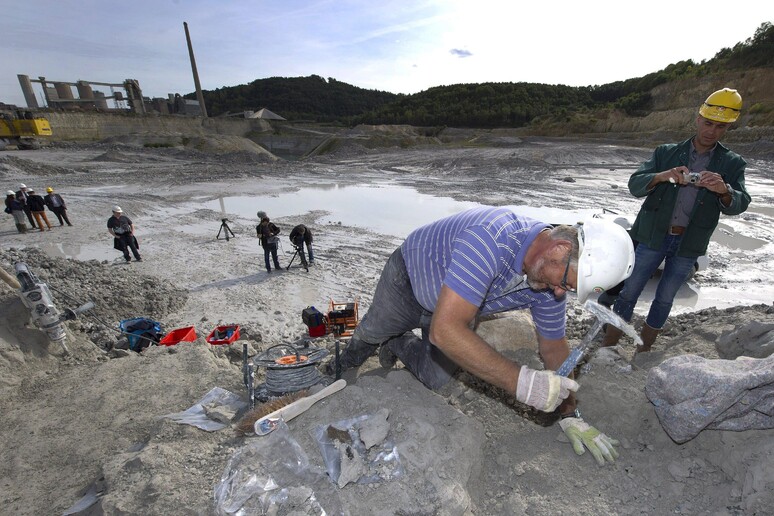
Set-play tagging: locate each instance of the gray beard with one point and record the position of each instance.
(532, 280)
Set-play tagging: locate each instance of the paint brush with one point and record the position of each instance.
(245, 426)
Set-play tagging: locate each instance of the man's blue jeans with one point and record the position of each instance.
(393, 314)
(646, 262)
(270, 249)
(299, 244)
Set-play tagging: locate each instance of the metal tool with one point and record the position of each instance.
(603, 316)
(268, 423)
(37, 297)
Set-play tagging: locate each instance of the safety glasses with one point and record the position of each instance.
(563, 285)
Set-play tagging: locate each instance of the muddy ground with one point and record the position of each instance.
(92, 418)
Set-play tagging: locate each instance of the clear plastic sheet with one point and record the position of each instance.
(197, 416)
(271, 475)
(381, 462)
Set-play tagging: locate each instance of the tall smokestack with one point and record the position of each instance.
(199, 95)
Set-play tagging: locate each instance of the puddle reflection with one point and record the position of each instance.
(387, 209)
(97, 252)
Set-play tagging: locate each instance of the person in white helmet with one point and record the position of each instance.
(122, 229)
(686, 187)
(15, 208)
(485, 261)
(23, 196)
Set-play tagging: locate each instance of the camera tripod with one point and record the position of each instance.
(225, 230)
(298, 253)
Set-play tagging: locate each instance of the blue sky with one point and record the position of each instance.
(401, 46)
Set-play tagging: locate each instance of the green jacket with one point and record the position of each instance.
(653, 220)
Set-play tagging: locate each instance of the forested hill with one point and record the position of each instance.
(481, 105)
(297, 98)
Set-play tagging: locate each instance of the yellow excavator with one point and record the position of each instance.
(22, 128)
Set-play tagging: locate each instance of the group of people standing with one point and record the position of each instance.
(27, 203)
(267, 232)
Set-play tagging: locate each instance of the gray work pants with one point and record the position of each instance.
(393, 314)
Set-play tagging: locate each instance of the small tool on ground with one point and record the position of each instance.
(268, 423)
(603, 316)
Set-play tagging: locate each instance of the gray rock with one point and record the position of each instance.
(374, 429)
(754, 339)
(691, 393)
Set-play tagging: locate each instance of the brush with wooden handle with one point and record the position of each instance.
(268, 423)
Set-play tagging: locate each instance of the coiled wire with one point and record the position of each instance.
(292, 379)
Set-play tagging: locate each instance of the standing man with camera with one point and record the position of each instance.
(122, 229)
(686, 187)
(267, 232)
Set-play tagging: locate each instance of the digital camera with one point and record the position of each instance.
(693, 177)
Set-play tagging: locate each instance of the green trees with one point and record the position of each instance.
(484, 105)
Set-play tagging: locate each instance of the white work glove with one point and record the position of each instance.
(544, 390)
(582, 434)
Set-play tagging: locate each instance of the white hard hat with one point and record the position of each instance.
(117, 209)
(606, 256)
(22, 185)
(11, 192)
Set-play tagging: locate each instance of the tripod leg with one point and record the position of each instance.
(291, 261)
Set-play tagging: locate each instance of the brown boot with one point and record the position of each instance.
(648, 336)
(612, 336)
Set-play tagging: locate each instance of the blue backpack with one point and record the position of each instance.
(141, 332)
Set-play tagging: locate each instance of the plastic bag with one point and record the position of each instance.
(272, 475)
(197, 415)
(381, 462)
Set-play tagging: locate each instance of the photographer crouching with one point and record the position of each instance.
(122, 229)
(299, 236)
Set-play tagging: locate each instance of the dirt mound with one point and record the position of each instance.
(117, 292)
(114, 156)
(214, 143)
(15, 166)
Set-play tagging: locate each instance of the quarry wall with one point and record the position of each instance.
(73, 126)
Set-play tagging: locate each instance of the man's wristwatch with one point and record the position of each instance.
(574, 413)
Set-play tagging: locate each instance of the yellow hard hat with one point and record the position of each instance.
(49, 189)
(722, 106)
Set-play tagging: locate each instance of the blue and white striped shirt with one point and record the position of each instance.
(479, 254)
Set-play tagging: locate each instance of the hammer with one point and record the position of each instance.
(603, 316)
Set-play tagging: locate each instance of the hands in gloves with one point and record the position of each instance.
(543, 390)
(582, 434)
